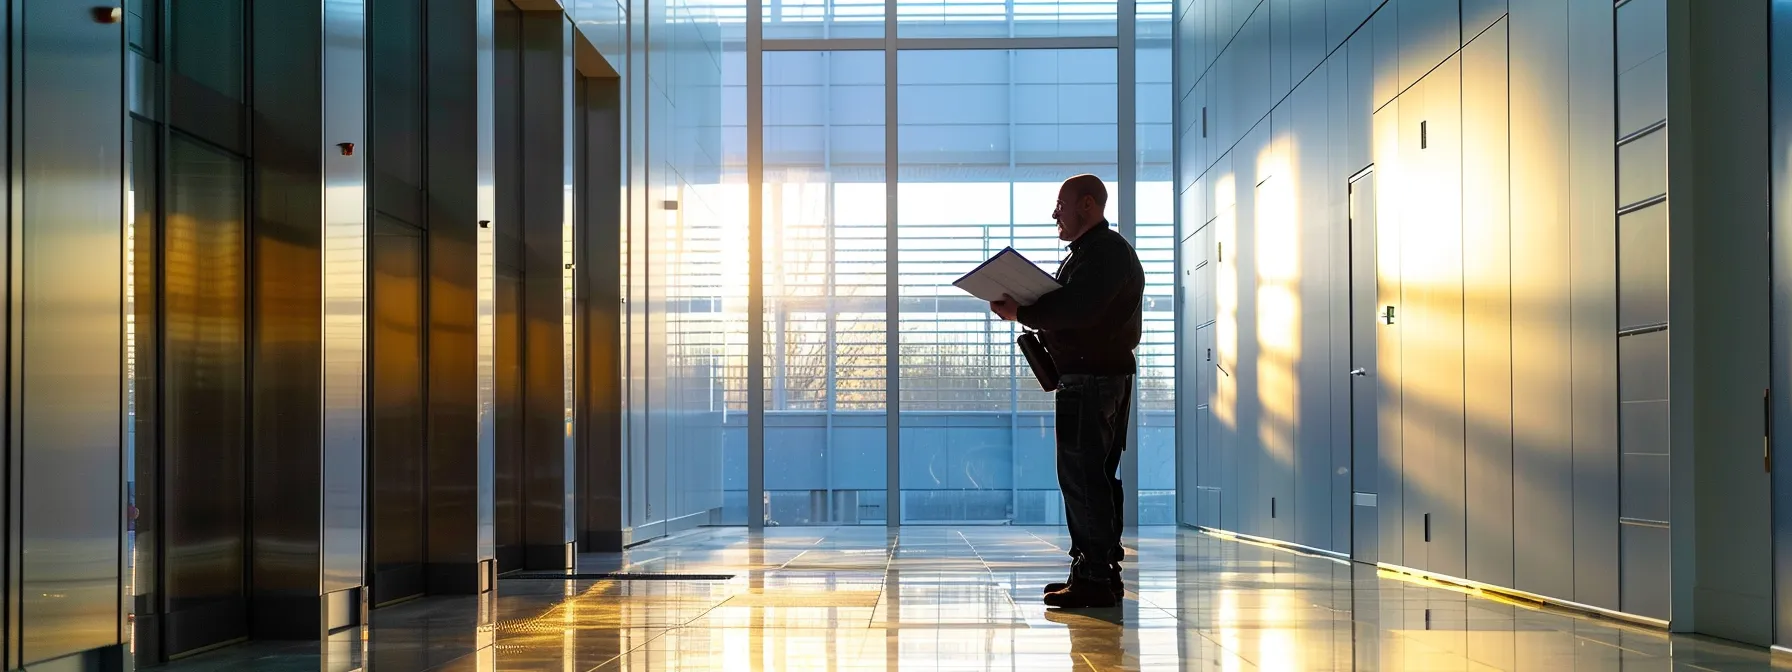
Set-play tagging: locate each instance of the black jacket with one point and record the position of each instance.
(1091, 325)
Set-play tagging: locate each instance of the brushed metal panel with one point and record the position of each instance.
(1643, 267)
(1343, 18)
(1383, 34)
(1645, 570)
(1317, 374)
(1364, 331)
(508, 260)
(1188, 148)
(459, 473)
(287, 448)
(1645, 486)
(1440, 284)
(1389, 173)
(509, 460)
(1280, 48)
(1430, 31)
(1643, 95)
(398, 497)
(483, 22)
(1541, 387)
(1478, 16)
(1780, 370)
(1593, 275)
(1306, 37)
(345, 280)
(205, 284)
(1189, 44)
(1356, 88)
(67, 282)
(602, 356)
(1643, 168)
(1644, 428)
(1643, 358)
(1253, 92)
(1487, 308)
(546, 68)
(1338, 275)
(1642, 32)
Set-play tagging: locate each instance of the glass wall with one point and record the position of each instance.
(985, 133)
(1155, 239)
(985, 139)
(826, 317)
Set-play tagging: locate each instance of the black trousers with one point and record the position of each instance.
(1092, 419)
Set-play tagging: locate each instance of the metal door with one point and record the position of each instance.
(397, 499)
(1364, 317)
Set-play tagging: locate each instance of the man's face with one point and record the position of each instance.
(1070, 214)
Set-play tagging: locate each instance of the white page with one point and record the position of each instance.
(1011, 274)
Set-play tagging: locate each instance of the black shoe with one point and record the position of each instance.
(1086, 593)
(1119, 586)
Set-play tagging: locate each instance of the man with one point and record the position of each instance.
(1090, 326)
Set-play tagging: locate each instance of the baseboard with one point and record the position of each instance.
(104, 659)
(606, 541)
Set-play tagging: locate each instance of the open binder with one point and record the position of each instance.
(1012, 274)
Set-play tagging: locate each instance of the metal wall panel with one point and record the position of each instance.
(205, 395)
(1541, 390)
(1594, 293)
(1646, 569)
(507, 217)
(1336, 75)
(546, 92)
(485, 204)
(1280, 48)
(397, 479)
(1643, 267)
(1487, 308)
(1438, 285)
(1417, 316)
(459, 466)
(344, 295)
(65, 247)
(1781, 370)
(1720, 361)
(1430, 31)
(1478, 16)
(1383, 34)
(1306, 38)
(1343, 18)
(1365, 389)
(1317, 373)
(1389, 175)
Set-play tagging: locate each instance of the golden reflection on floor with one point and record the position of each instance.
(969, 599)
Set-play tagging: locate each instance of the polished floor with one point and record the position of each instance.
(936, 598)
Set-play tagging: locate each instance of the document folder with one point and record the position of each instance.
(1041, 361)
(1008, 273)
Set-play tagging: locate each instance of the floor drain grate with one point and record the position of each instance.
(611, 576)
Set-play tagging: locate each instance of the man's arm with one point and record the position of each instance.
(1080, 301)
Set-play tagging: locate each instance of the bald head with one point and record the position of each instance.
(1081, 202)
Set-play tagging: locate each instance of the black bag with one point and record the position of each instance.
(1041, 361)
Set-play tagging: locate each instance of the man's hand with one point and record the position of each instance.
(1006, 309)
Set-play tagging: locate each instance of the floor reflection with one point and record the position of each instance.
(944, 599)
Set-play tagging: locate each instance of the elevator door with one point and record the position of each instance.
(507, 147)
(397, 475)
(204, 398)
(509, 445)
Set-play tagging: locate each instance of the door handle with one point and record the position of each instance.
(1359, 372)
